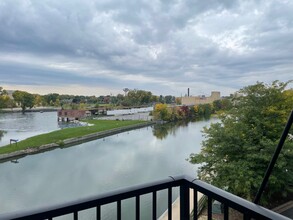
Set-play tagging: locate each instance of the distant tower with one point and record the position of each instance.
(215, 95)
(188, 92)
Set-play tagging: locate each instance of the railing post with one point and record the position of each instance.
(274, 158)
(184, 202)
(195, 205)
(170, 203)
(137, 208)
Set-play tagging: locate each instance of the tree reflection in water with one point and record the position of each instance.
(2, 134)
(161, 131)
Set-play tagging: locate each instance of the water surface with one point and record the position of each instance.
(21, 126)
(99, 166)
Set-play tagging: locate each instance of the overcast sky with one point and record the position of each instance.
(100, 47)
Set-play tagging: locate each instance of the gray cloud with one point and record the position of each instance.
(163, 46)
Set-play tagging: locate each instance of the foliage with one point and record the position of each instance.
(175, 113)
(222, 104)
(178, 101)
(169, 99)
(137, 98)
(237, 150)
(132, 98)
(204, 110)
(161, 112)
(38, 100)
(5, 101)
(51, 98)
(25, 99)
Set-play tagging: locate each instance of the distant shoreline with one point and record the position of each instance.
(36, 109)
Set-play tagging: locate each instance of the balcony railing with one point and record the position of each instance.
(185, 183)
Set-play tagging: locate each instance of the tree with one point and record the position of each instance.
(178, 101)
(137, 97)
(161, 112)
(161, 99)
(51, 98)
(2, 91)
(169, 99)
(38, 100)
(5, 100)
(125, 90)
(222, 104)
(25, 99)
(238, 149)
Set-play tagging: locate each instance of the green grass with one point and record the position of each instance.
(60, 135)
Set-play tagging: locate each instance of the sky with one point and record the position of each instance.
(99, 47)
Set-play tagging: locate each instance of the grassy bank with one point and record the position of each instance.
(60, 135)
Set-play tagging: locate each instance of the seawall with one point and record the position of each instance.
(71, 141)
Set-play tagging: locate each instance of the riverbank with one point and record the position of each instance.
(68, 137)
(35, 109)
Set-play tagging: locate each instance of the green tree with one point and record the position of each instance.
(25, 99)
(169, 99)
(205, 110)
(137, 97)
(51, 98)
(2, 91)
(161, 99)
(4, 99)
(237, 150)
(38, 100)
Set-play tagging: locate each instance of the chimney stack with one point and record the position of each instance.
(188, 92)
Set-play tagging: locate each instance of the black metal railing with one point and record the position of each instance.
(185, 183)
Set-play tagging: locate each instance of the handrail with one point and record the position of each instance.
(229, 200)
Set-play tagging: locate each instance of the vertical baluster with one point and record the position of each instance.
(195, 207)
(226, 212)
(155, 205)
(98, 212)
(246, 216)
(75, 215)
(119, 210)
(209, 208)
(137, 208)
(184, 202)
(170, 203)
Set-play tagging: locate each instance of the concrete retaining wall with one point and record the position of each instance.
(71, 141)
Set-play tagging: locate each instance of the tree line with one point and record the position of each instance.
(175, 113)
(130, 98)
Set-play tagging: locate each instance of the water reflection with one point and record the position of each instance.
(2, 134)
(161, 131)
(99, 166)
(21, 126)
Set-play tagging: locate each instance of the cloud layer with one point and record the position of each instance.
(162, 46)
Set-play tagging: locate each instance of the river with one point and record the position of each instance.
(91, 168)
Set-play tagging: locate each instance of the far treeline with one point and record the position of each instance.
(130, 97)
(175, 113)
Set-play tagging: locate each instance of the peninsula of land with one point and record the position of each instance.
(70, 136)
